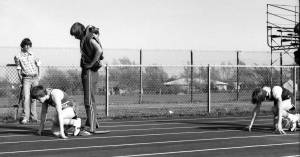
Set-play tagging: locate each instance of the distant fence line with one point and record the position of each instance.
(71, 56)
(131, 87)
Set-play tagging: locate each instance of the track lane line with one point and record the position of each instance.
(211, 149)
(143, 121)
(155, 124)
(127, 130)
(126, 136)
(139, 144)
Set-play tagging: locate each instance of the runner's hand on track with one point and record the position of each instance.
(280, 131)
(249, 128)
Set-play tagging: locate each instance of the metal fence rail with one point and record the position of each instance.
(154, 90)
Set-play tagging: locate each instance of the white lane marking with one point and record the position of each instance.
(211, 149)
(154, 124)
(170, 123)
(139, 144)
(156, 120)
(126, 130)
(198, 126)
(8, 136)
(292, 156)
(125, 136)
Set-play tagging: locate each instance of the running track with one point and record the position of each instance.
(211, 137)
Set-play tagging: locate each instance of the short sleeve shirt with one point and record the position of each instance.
(27, 63)
(279, 92)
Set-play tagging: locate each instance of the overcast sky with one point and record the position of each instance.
(149, 24)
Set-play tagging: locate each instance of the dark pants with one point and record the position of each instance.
(89, 80)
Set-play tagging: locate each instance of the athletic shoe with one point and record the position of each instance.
(84, 133)
(77, 125)
(56, 133)
(24, 121)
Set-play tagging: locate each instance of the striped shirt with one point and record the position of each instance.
(27, 63)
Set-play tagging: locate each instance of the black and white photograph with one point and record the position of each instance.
(149, 78)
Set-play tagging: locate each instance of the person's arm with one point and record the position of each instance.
(38, 64)
(19, 75)
(255, 111)
(43, 118)
(57, 97)
(280, 114)
(17, 61)
(98, 53)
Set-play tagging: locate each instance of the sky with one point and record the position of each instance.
(149, 24)
(134, 24)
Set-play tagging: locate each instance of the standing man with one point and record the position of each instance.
(28, 67)
(91, 56)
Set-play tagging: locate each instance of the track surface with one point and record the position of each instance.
(211, 137)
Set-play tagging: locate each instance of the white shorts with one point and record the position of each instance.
(67, 113)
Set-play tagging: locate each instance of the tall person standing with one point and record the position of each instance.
(91, 56)
(28, 67)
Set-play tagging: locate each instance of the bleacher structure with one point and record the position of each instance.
(281, 37)
(281, 21)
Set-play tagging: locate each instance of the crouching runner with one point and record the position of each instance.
(282, 105)
(65, 114)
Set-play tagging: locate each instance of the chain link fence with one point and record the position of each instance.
(153, 90)
(57, 56)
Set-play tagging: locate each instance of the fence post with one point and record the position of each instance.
(107, 90)
(294, 85)
(271, 71)
(208, 88)
(237, 75)
(141, 78)
(281, 81)
(192, 71)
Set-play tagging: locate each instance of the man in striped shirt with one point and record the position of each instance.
(28, 73)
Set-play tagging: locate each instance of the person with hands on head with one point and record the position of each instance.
(282, 104)
(90, 63)
(64, 105)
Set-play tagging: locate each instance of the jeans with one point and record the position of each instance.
(29, 105)
(89, 82)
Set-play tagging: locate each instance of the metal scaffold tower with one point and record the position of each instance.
(281, 21)
(281, 37)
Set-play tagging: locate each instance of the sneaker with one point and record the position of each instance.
(77, 125)
(24, 121)
(84, 133)
(56, 133)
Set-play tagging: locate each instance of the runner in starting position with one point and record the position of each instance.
(65, 114)
(282, 105)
